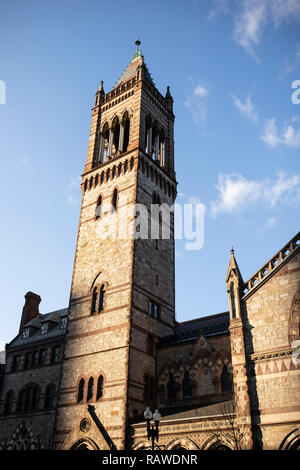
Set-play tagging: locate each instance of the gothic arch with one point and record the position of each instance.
(183, 443)
(141, 445)
(84, 444)
(215, 443)
(96, 278)
(291, 441)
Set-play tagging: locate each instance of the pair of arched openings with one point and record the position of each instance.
(155, 141)
(114, 204)
(115, 140)
(98, 299)
(90, 389)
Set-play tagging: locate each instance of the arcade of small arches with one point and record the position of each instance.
(155, 141)
(90, 393)
(113, 139)
(145, 165)
(202, 378)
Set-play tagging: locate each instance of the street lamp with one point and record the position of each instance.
(152, 431)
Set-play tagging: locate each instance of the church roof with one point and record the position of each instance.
(37, 322)
(212, 325)
(131, 70)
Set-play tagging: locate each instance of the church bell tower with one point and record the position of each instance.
(122, 294)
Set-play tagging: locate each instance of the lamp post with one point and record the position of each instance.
(152, 432)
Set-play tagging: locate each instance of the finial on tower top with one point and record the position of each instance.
(232, 250)
(138, 51)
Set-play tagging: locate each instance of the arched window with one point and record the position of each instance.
(226, 381)
(80, 391)
(99, 207)
(102, 298)
(114, 201)
(8, 402)
(126, 124)
(94, 300)
(28, 399)
(116, 135)
(49, 397)
(155, 198)
(187, 385)
(90, 391)
(100, 384)
(105, 142)
(171, 388)
(21, 400)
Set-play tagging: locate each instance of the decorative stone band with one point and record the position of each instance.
(271, 355)
(272, 265)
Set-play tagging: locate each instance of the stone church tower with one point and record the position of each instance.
(122, 295)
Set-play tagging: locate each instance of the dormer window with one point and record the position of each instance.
(63, 323)
(44, 328)
(26, 332)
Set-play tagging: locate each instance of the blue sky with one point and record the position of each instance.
(230, 66)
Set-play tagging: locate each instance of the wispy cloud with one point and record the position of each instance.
(271, 221)
(291, 65)
(236, 193)
(289, 135)
(24, 162)
(196, 101)
(246, 109)
(221, 7)
(73, 192)
(251, 17)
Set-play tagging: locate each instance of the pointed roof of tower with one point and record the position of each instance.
(130, 71)
(233, 266)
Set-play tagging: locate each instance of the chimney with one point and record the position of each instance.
(30, 309)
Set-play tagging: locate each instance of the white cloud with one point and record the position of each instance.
(289, 135)
(247, 108)
(251, 17)
(73, 186)
(290, 65)
(271, 221)
(236, 192)
(220, 7)
(196, 102)
(25, 162)
(248, 24)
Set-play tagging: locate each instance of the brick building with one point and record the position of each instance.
(80, 378)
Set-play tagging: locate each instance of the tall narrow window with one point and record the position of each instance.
(126, 134)
(171, 387)
(80, 391)
(187, 385)
(100, 387)
(232, 300)
(8, 402)
(90, 392)
(226, 381)
(102, 298)
(49, 397)
(94, 300)
(114, 200)
(99, 207)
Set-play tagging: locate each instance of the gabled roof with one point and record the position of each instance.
(131, 70)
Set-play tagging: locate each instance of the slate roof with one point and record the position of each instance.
(36, 336)
(216, 409)
(131, 70)
(212, 325)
